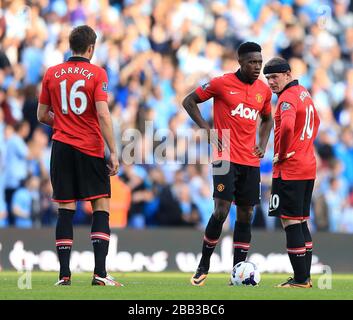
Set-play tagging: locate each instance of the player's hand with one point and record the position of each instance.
(258, 151)
(113, 164)
(275, 158)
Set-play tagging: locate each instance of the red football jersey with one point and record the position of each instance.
(236, 107)
(71, 89)
(296, 126)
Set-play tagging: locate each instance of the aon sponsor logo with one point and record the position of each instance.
(245, 112)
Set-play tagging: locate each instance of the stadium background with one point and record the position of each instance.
(155, 52)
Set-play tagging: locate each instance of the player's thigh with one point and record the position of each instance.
(309, 187)
(274, 208)
(245, 213)
(92, 177)
(223, 181)
(62, 172)
(246, 186)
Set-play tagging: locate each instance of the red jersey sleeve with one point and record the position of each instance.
(267, 105)
(44, 97)
(210, 89)
(288, 115)
(101, 89)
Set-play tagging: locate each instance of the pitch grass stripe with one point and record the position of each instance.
(168, 286)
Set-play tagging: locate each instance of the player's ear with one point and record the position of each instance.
(240, 60)
(91, 48)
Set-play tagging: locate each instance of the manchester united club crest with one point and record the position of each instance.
(258, 97)
(220, 187)
(205, 86)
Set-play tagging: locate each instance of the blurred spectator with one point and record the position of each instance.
(204, 202)
(3, 209)
(17, 156)
(335, 202)
(48, 208)
(344, 151)
(119, 203)
(176, 208)
(6, 108)
(221, 34)
(135, 177)
(32, 60)
(5, 66)
(24, 203)
(29, 108)
(346, 223)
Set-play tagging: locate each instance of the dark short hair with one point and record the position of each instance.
(81, 38)
(247, 47)
(277, 65)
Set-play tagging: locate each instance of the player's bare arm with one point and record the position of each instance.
(105, 123)
(190, 105)
(44, 115)
(264, 134)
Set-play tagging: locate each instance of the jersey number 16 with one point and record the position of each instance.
(73, 95)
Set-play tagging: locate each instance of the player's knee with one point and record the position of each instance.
(100, 204)
(245, 218)
(288, 222)
(244, 214)
(221, 212)
(67, 205)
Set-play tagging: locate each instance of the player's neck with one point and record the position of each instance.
(243, 78)
(80, 55)
(291, 83)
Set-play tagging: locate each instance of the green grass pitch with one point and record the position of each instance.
(166, 286)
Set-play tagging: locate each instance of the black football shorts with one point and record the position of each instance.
(77, 176)
(240, 184)
(290, 199)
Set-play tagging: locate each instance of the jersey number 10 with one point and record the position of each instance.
(308, 130)
(74, 94)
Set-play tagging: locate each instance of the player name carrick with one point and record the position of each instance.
(75, 70)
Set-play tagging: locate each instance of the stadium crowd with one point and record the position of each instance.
(155, 52)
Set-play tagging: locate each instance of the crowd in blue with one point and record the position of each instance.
(155, 52)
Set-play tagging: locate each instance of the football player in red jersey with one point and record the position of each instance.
(73, 101)
(294, 171)
(239, 99)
